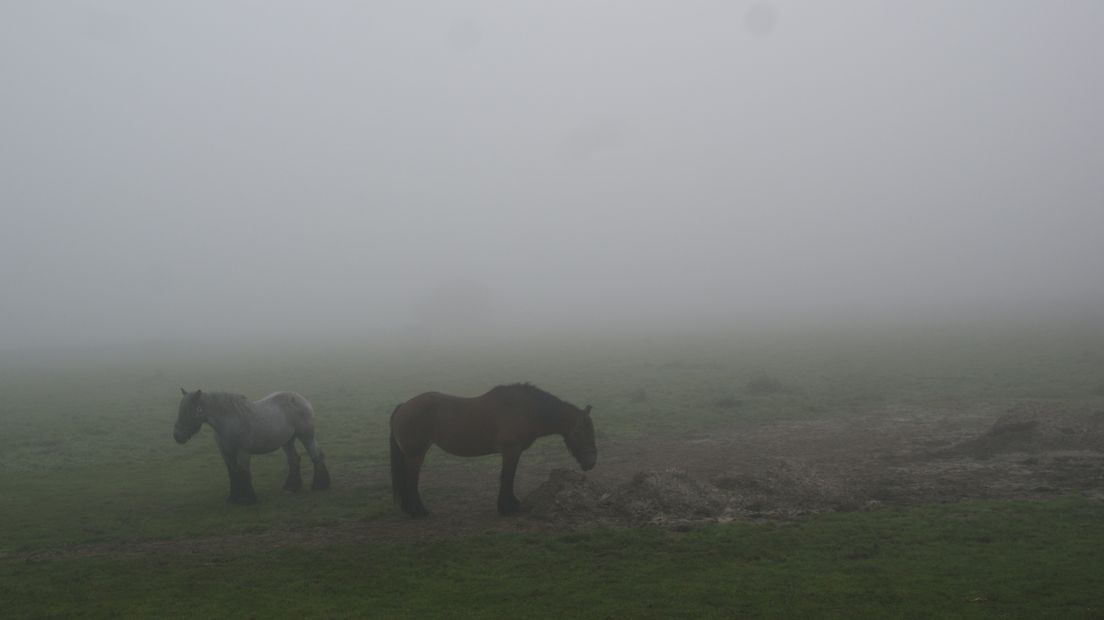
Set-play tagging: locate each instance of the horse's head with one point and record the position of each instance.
(190, 416)
(580, 439)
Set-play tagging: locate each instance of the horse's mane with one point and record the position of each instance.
(226, 403)
(547, 404)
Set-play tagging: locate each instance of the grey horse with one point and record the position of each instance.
(244, 427)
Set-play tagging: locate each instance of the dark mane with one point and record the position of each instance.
(547, 404)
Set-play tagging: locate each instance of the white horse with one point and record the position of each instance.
(243, 428)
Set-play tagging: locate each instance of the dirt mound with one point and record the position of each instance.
(667, 496)
(1035, 428)
(783, 488)
(787, 488)
(566, 496)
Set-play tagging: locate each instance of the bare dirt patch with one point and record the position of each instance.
(901, 456)
(657, 497)
(1033, 429)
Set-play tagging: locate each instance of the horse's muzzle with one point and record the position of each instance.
(180, 437)
(588, 461)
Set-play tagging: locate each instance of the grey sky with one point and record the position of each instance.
(173, 170)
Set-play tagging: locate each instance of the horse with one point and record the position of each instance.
(506, 420)
(243, 428)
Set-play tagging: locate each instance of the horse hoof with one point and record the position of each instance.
(509, 508)
(321, 480)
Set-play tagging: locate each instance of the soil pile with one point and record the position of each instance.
(667, 496)
(1034, 428)
(783, 488)
(659, 497)
(566, 496)
(787, 488)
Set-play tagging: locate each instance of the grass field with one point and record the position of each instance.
(90, 480)
(970, 560)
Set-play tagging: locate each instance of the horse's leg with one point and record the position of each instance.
(507, 502)
(294, 480)
(245, 480)
(412, 500)
(231, 461)
(321, 479)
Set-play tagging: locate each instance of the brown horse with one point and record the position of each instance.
(505, 420)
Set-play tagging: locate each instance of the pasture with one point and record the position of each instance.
(950, 471)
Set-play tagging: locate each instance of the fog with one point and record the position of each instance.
(196, 171)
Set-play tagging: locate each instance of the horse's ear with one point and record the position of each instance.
(183, 391)
(586, 410)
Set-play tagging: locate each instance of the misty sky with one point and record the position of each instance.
(183, 170)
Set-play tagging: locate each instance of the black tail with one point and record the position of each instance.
(398, 470)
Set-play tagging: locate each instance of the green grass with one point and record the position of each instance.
(88, 458)
(966, 560)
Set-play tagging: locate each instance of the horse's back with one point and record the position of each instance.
(421, 409)
(457, 424)
(284, 400)
(290, 405)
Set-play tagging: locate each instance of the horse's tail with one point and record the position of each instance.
(398, 467)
